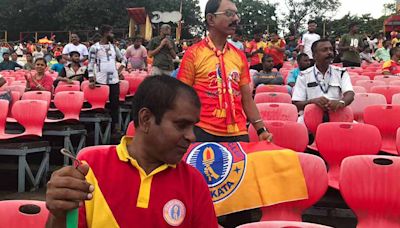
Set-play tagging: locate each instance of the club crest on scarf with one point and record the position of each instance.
(222, 167)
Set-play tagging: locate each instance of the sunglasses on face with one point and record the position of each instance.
(228, 13)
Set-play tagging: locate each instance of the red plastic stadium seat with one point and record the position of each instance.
(66, 83)
(38, 95)
(387, 91)
(272, 88)
(370, 74)
(23, 213)
(370, 186)
(386, 119)
(272, 97)
(18, 83)
(359, 89)
(282, 224)
(286, 134)
(15, 97)
(70, 110)
(336, 141)
(368, 84)
(69, 87)
(363, 100)
(387, 78)
(358, 70)
(313, 116)
(4, 104)
(397, 83)
(396, 99)
(355, 79)
(19, 88)
(315, 175)
(398, 140)
(123, 89)
(134, 83)
(96, 97)
(278, 111)
(130, 131)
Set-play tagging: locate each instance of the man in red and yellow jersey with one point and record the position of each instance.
(276, 48)
(392, 67)
(142, 181)
(219, 73)
(255, 51)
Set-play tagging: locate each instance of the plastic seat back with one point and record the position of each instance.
(4, 104)
(130, 131)
(272, 97)
(68, 87)
(398, 141)
(282, 224)
(313, 116)
(355, 79)
(31, 115)
(397, 83)
(38, 95)
(97, 97)
(287, 134)
(66, 83)
(387, 78)
(370, 186)
(23, 213)
(370, 74)
(359, 89)
(386, 119)
(368, 84)
(278, 111)
(316, 177)
(363, 100)
(271, 88)
(18, 88)
(70, 110)
(134, 83)
(396, 99)
(387, 91)
(123, 89)
(336, 141)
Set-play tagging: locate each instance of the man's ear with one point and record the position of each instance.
(146, 117)
(210, 19)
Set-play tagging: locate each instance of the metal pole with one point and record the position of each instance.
(6, 36)
(324, 30)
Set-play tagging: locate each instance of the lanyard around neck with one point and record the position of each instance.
(322, 84)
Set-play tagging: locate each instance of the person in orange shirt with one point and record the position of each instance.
(276, 48)
(219, 73)
(255, 51)
(392, 67)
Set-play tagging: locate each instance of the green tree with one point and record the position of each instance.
(389, 9)
(301, 10)
(257, 14)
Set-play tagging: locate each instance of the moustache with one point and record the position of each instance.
(329, 57)
(234, 24)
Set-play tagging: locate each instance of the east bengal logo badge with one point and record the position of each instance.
(223, 167)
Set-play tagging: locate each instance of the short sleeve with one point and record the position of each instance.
(85, 50)
(299, 90)
(245, 74)
(204, 212)
(187, 70)
(144, 52)
(346, 83)
(66, 50)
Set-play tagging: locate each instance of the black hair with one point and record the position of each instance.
(311, 21)
(28, 53)
(158, 94)
(315, 44)
(137, 38)
(6, 53)
(105, 29)
(301, 55)
(41, 59)
(393, 51)
(58, 58)
(73, 53)
(211, 7)
(265, 57)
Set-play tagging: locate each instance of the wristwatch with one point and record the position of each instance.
(261, 130)
(343, 102)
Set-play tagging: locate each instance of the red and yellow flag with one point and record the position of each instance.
(244, 176)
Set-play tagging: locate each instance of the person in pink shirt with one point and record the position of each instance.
(136, 54)
(39, 81)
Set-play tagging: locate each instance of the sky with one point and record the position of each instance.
(359, 7)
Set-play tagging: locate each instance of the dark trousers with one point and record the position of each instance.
(114, 103)
(238, 218)
(351, 64)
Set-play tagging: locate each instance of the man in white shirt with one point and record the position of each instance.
(237, 40)
(102, 69)
(308, 39)
(325, 85)
(75, 45)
